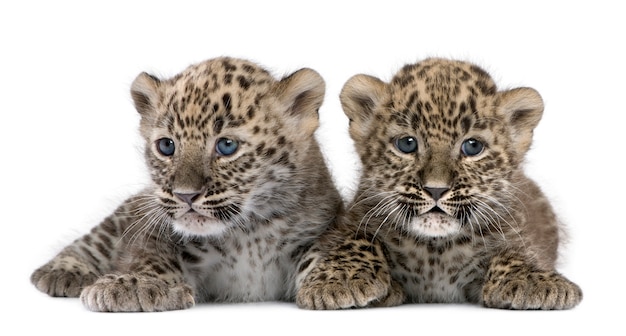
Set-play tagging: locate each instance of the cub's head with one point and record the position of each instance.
(223, 142)
(440, 147)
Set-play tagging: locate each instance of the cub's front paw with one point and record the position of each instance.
(135, 293)
(354, 274)
(394, 297)
(335, 294)
(62, 278)
(539, 290)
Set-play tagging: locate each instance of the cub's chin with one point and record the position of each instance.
(195, 224)
(435, 224)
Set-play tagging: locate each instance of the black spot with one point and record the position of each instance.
(478, 71)
(228, 78)
(472, 104)
(466, 123)
(304, 265)
(412, 99)
(229, 67)
(414, 121)
(105, 251)
(158, 269)
(259, 148)
(454, 278)
(226, 101)
(248, 68)
(419, 107)
(409, 67)
(347, 247)
(404, 80)
(283, 159)
(462, 108)
(244, 83)
(218, 124)
(190, 258)
(250, 112)
(364, 248)
(485, 88)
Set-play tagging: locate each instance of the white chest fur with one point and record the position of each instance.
(252, 266)
(438, 270)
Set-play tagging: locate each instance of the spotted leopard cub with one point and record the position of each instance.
(443, 211)
(239, 192)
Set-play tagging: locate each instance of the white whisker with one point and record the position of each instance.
(514, 225)
(485, 212)
(377, 210)
(398, 206)
(479, 226)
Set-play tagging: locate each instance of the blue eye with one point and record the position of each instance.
(226, 146)
(472, 147)
(166, 146)
(406, 145)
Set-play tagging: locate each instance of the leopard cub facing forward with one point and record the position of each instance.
(443, 210)
(239, 191)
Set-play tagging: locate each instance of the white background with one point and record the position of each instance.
(70, 150)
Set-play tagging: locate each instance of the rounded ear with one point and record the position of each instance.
(144, 91)
(300, 96)
(360, 97)
(522, 108)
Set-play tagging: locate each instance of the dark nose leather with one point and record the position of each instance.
(436, 193)
(187, 198)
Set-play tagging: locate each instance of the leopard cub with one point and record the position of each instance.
(443, 211)
(239, 191)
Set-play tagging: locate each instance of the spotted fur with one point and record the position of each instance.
(239, 192)
(443, 211)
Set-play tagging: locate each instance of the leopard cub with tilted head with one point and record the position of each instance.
(443, 211)
(239, 191)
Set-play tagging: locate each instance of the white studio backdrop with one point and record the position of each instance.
(71, 151)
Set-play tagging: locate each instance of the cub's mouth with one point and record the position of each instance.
(436, 209)
(435, 223)
(196, 224)
(192, 214)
